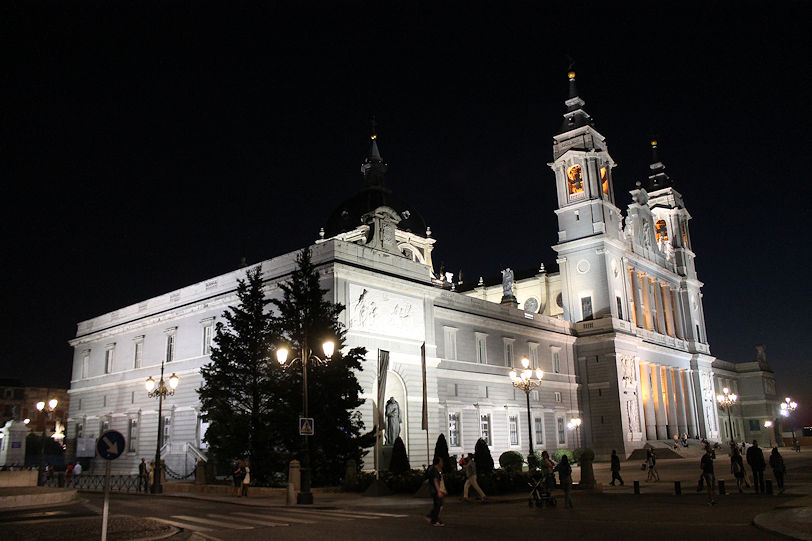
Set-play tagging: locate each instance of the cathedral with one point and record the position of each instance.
(615, 323)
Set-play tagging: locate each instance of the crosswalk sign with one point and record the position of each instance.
(306, 426)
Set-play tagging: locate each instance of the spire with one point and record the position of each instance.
(658, 178)
(373, 168)
(575, 117)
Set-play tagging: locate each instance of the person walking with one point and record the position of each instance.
(547, 466)
(755, 458)
(470, 479)
(77, 471)
(779, 469)
(737, 468)
(69, 475)
(615, 467)
(565, 478)
(651, 465)
(237, 476)
(706, 465)
(246, 480)
(437, 490)
(142, 476)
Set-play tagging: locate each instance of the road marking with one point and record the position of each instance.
(249, 520)
(286, 519)
(218, 523)
(177, 524)
(378, 514)
(314, 514)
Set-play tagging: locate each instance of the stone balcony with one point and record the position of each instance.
(609, 324)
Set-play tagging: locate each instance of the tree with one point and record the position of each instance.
(241, 386)
(441, 451)
(482, 457)
(303, 315)
(400, 460)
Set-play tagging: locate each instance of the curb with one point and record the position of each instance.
(771, 523)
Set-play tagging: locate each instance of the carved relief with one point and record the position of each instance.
(633, 416)
(386, 313)
(705, 383)
(628, 371)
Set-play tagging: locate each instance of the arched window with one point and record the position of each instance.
(604, 181)
(575, 180)
(661, 230)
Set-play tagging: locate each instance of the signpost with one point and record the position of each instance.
(306, 426)
(110, 446)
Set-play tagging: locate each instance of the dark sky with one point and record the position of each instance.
(149, 146)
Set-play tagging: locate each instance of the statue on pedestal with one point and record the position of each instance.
(393, 420)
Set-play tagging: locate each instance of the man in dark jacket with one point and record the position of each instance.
(755, 457)
(615, 467)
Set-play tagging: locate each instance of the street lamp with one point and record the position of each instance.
(159, 390)
(527, 380)
(726, 401)
(575, 424)
(787, 407)
(305, 497)
(47, 411)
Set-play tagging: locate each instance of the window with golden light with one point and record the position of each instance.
(575, 181)
(604, 181)
(661, 230)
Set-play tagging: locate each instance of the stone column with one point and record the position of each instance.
(675, 299)
(673, 425)
(690, 398)
(644, 286)
(679, 388)
(665, 291)
(660, 415)
(636, 299)
(660, 323)
(648, 401)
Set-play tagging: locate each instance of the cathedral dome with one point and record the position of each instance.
(347, 216)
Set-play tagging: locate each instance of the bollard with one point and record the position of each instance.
(637, 487)
(721, 487)
(769, 487)
(677, 488)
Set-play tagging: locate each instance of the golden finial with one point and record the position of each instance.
(571, 75)
(653, 143)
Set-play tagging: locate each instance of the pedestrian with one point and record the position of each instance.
(706, 465)
(77, 471)
(779, 469)
(615, 467)
(651, 464)
(755, 458)
(143, 474)
(69, 475)
(470, 479)
(565, 478)
(246, 480)
(437, 490)
(547, 466)
(237, 475)
(737, 468)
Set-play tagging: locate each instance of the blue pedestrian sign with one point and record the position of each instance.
(306, 426)
(110, 445)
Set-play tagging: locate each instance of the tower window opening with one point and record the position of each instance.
(661, 230)
(604, 181)
(575, 181)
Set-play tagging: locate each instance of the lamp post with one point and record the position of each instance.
(159, 391)
(47, 410)
(726, 401)
(527, 380)
(575, 424)
(305, 497)
(787, 407)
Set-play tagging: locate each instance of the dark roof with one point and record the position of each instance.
(347, 216)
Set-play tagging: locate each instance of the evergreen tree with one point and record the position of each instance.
(482, 457)
(400, 460)
(441, 450)
(303, 315)
(241, 386)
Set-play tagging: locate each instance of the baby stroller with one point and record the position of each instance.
(540, 490)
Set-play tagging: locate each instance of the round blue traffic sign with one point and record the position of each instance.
(110, 445)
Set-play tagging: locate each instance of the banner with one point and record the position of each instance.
(383, 367)
(425, 421)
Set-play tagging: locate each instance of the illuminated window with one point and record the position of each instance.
(575, 181)
(604, 181)
(513, 423)
(661, 230)
(454, 429)
(485, 427)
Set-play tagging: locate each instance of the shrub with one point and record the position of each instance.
(558, 453)
(482, 457)
(534, 460)
(441, 450)
(400, 460)
(511, 460)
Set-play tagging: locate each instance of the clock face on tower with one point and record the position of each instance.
(531, 305)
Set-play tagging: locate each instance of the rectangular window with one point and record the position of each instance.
(139, 352)
(557, 396)
(132, 435)
(754, 425)
(562, 434)
(80, 430)
(170, 347)
(534, 355)
(167, 429)
(104, 426)
(104, 401)
(454, 429)
(481, 348)
(485, 427)
(586, 308)
(202, 427)
(619, 308)
(534, 395)
(450, 342)
(207, 334)
(556, 361)
(85, 363)
(80, 404)
(509, 351)
(513, 424)
(538, 426)
(108, 359)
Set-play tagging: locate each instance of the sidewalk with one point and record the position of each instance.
(792, 519)
(22, 497)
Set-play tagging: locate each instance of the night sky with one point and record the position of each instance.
(151, 146)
